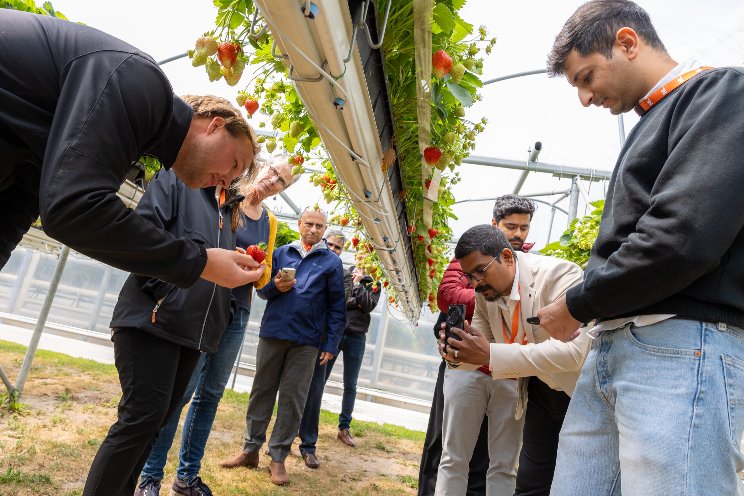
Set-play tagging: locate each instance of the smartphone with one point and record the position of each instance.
(288, 272)
(455, 318)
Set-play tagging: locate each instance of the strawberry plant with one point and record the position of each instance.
(576, 243)
(456, 46)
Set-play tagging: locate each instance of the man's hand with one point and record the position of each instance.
(231, 269)
(558, 322)
(325, 357)
(283, 284)
(472, 347)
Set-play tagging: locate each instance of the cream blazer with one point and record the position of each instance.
(542, 280)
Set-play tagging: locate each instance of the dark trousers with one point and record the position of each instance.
(546, 409)
(352, 346)
(153, 374)
(433, 448)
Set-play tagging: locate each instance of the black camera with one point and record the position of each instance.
(455, 318)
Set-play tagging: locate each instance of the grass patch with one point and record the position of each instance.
(71, 403)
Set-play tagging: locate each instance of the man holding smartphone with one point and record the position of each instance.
(305, 313)
(509, 288)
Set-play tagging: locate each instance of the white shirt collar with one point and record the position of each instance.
(680, 69)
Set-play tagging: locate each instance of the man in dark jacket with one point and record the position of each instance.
(360, 303)
(77, 107)
(658, 406)
(159, 329)
(305, 313)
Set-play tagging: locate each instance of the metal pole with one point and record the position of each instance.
(558, 170)
(20, 279)
(6, 381)
(573, 202)
(41, 322)
(99, 298)
(621, 129)
(382, 328)
(175, 57)
(515, 75)
(242, 344)
(521, 181)
(291, 204)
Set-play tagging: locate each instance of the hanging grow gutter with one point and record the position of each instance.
(317, 39)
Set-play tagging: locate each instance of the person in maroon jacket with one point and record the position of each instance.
(512, 214)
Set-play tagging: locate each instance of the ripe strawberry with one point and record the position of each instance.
(385, 284)
(410, 229)
(427, 183)
(355, 241)
(257, 252)
(375, 288)
(428, 248)
(441, 63)
(431, 297)
(430, 261)
(207, 44)
(298, 159)
(420, 238)
(251, 105)
(391, 299)
(432, 273)
(432, 155)
(457, 72)
(227, 53)
(344, 221)
(433, 232)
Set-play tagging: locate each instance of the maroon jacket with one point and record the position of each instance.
(455, 288)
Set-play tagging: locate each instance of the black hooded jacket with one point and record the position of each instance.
(77, 107)
(193, 317)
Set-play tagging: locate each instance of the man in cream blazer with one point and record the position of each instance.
(509, 288)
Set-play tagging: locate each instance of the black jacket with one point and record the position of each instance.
(77, 107)
(359, 305)
(671, 240)
(194, 317)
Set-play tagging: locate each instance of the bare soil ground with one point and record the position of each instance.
(68, 405)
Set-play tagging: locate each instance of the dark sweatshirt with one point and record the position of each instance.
(77, 107)
(671, 240)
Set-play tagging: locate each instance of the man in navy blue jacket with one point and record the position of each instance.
(305, 313)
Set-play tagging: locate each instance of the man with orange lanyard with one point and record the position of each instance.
(509, 287)
(657, 408)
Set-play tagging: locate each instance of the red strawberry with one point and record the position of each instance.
(355, 241)
(420, 238)
(375, 288)
(428, 248)
(433, 232)
(430, 261)
(257, 252)
(385, 284)
(391, 299)
(432, 273)
(441, 63)
(251, 105)
(427, 183)
(343, 221)
(432, 155)
(431, 297)
(410, 229)
(298, 160)
(227, 53)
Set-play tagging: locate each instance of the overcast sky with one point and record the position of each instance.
(520, 111)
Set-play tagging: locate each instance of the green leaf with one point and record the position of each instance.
(462, 29)
(471, 79)
(458, 4)
(443, 17)
(462, 95)
(236, 20)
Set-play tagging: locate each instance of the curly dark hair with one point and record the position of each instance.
(592, 29)
(485, 238)
(512, 204)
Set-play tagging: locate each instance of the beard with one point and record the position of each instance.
(481, 289)
(516, 243)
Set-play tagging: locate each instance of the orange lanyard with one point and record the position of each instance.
(223, 195)
(514, 328)
(646, 103)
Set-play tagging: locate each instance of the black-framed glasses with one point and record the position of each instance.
(278, 176)
(478, 274)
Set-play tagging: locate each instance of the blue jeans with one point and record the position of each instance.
(657, 410)
(352, 346)
(207, 386)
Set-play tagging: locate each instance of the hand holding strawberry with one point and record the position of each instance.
(257, 252)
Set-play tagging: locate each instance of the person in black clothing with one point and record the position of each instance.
(361, 300)
(158, 330)
(77, 107)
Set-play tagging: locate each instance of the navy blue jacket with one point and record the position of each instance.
(76, 109)
(313, 312)
(194, 317)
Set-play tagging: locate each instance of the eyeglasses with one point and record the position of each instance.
(334, 246)
(279, 178)
(479, 274)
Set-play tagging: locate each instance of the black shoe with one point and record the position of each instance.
(148, 487)
(194, 488)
